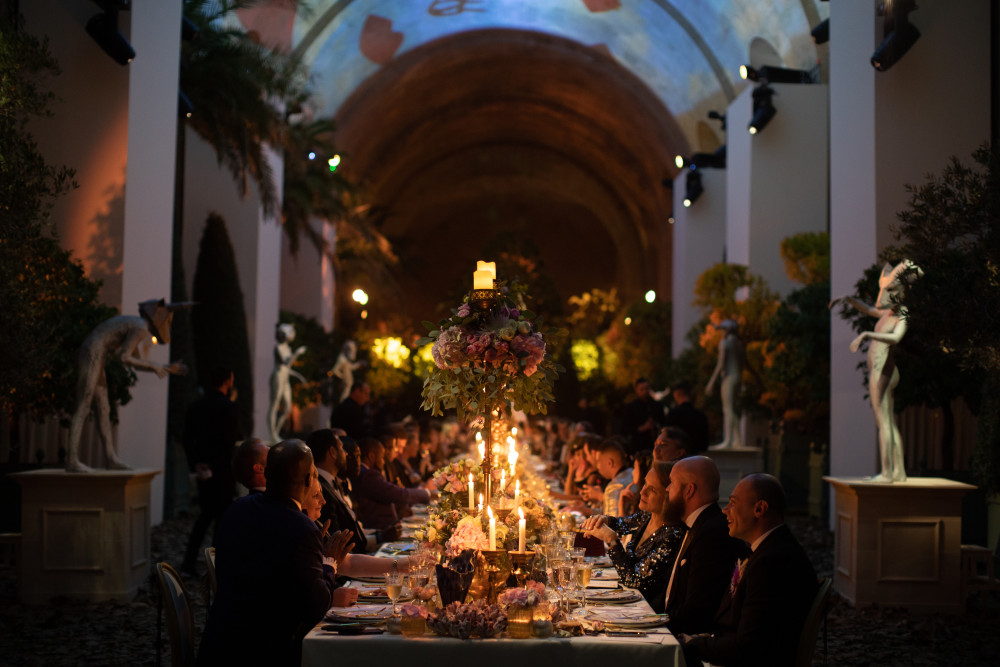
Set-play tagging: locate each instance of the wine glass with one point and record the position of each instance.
(566, 578)
(581, 572)
(393, 587)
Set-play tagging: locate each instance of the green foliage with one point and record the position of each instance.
(640, 348)
(315, 363)
(50, 306)
(807, 257)
(219, 320)
(593, 312)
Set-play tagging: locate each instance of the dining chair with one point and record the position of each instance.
(180, 619)
(810, 629)
(210, 563)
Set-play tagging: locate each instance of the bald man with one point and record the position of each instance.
(705, 560)
(760, 619)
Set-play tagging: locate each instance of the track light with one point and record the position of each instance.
(763, 109)
(693, 188)
(772, 74)
(721, 117)
(716, 160)
(899, 33)
(821, 33)
(103, 28)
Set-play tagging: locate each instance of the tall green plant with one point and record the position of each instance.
(219, 320)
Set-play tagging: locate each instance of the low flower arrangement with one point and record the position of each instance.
(531, 595)
(413, 610)
(475, 619)
(452, 481)
(484, 360)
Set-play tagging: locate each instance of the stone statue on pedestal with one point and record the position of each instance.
(883, 375)
(344, 369)
(128, 337)
(730, 368)
(281, 383)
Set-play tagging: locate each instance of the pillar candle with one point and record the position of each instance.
(520, 531)
(482, 280)
(487, 266)
(472, 492)
(493, 529)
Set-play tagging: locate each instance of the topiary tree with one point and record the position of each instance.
(49, 304)
(219, 320)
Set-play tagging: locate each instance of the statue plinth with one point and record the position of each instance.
(83, 535)
(733, 464)
(899, 544)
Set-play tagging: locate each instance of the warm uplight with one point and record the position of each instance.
(679, 161)
(628, 321)
(650, 296)
(154, 340)
(360, 296)
(364, 314)
(744, 72)
(334, 162)
(753, 130)
(391, 351)
(687, 202)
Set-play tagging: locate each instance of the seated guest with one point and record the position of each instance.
(330, 457)
(613, 466)
(249, 463)
(705, 563)
(352, 564)
(761, 615)
(672, 444)
(272, 584)
(645, 561)
(374, 497)
(628, 501)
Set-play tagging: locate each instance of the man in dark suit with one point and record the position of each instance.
(352, 414)
(374, 497)
(211, 432)
(272, 584)
(688, 418)
(642, 419)
(761, 616)
(706, 556)
(328, 453)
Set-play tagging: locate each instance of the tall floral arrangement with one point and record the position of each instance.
(452, 481)
(487, 359)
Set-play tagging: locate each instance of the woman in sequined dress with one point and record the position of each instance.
(643, 546)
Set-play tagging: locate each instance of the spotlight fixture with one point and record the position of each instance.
(184, 106)
(693, 188)
(716, 160)
(103, 28)
(721, 117)
(899, 34)
(821, 33)
(763, 108)
(772, 74)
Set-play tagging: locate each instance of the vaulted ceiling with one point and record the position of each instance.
(554, 122)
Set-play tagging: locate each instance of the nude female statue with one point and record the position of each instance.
(128, 337)
(730, 369)
(344, 368)
(883, 375)
(281, 384)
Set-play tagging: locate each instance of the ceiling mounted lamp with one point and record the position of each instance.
(763, 109)
(693, 188)
(821, 33)
(103, 28)
(899, 33)
(771, 74)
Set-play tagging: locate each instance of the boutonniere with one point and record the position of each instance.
(737, 575)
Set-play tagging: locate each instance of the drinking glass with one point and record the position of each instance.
(393, 587)
(581, 572)
(579, 554)
(566, 578)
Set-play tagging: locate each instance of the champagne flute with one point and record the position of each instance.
(582, 573)
(393, 587)
(566, 576)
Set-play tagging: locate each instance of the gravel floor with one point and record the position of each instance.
(124, 633)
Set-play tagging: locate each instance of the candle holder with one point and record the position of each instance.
(495, 570)
(521, 563)
(484, 299)
(472, 511)
(502, 513)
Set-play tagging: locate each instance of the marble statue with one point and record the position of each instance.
(883, 375)
(281, 383)
(129, 338)
(730, 368)
(344, 368)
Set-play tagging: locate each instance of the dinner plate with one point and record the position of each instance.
(600, 561)
(626, 618)
(624, 596)
(397, 548)
(604, 574)
(366, 614)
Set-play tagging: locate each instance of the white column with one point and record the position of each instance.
(149, 200)
(699, 242)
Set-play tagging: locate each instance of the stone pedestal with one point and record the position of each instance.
(84, 535)
(733, 464)
(899, 544)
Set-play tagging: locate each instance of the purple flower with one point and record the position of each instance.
(464, 310)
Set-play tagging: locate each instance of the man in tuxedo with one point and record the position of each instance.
(273, 586)
(770, 593)
(672, 444)
(374, 497)
(250, 463)
(353, 414)
(328, 453)
(688, 418)
(211, 431)
(706, 556)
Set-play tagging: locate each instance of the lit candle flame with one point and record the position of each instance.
(489, 511)
(520, 513)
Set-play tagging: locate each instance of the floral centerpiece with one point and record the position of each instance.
(538, 519)
(452, 481)
(468, 534)
(475, 619)
(530, 596)
(487, 359)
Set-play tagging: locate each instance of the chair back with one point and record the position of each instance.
(210, 562)
(180, 619)
(810, 629)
